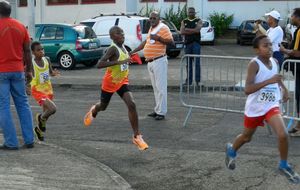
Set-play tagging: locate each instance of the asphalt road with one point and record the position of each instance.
(178, 158)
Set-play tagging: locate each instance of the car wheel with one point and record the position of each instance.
(90, 63)
(66, 60)
(242, 42)
(238, 41)
(173, 54)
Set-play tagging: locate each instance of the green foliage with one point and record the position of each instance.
(221, 22)
(175, 16)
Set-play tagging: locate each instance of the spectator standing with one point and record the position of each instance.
(190, 28)
(275, 33)
(14, 52)
(154, 46)
(294, 53)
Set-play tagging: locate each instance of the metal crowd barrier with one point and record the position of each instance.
(222, 85)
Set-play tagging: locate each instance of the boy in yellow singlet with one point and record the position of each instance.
(116, 61)
(41, 88)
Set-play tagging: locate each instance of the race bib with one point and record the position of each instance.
(267, 95)
(44, 77)
(124, 67)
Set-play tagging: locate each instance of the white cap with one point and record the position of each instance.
(274, 14)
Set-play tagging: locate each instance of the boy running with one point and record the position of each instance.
(116, 60)
(263, 89)
(41, 88)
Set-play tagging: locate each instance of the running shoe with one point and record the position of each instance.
(229, 161)
(88, 118)
(40, 122)
(294, 132)
(290, 175)
(140, 143)
(39, 133)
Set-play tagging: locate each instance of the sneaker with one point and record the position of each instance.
(294, 132)
(39, 133)
(88, 118)
(140, 143)
(31, 145)
(5, 147)
(290, 174)
(159, 117)
(229, 161)
(40, 123)
(153, 114)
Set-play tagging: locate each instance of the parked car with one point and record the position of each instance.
(289, 30)
(135, 28)
(207, 32)
(69, 44)
(246, 32)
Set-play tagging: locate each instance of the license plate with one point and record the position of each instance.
(179, 46)
(92, 45)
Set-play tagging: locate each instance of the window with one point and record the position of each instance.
(52, 33)
(97, 1)
(24, 3)
(146, 1)
(62, 2)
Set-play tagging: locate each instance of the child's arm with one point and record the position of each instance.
(252, 87)
(110, 59)
(53, 72)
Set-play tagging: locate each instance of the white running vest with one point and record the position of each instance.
(261, 101)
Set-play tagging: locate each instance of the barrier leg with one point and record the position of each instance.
(187, 117)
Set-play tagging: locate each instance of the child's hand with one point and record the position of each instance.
(28, 90)
(275, 79)
(55, 73)
(285, 95)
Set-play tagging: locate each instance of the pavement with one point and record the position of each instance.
(103, 156)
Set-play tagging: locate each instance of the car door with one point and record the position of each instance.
(52, 37)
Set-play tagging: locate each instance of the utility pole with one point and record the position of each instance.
(31, 18)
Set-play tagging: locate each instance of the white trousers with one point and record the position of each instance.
(158, 71)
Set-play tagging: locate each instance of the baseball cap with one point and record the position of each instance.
(274, 14)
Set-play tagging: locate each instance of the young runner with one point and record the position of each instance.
(116, 60)
(41, 88)
(263, 86)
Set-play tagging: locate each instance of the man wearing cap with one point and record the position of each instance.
(154, 46)
(294, 53)
(275, 33)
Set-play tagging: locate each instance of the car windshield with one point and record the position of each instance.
(146, 26)
(85, 32)
(205, 24)
(90, 24)
(250, 25)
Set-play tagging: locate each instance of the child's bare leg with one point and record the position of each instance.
(277, 123)
(243, 138)
(49, 108)
(132, 112)
(100, 106)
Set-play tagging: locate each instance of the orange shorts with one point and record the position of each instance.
(41, 97)
(253, 122)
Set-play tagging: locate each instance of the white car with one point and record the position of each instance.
(289, 30)
(135, 29)
(207, 32)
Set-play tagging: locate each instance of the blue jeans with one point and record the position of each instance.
(193, 48)
(13, 84)
(279, 56)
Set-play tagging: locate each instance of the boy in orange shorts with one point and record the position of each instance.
(41, 88)
(263, 85)
(116, 60)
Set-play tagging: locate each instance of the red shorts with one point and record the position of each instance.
(253, 122)
(41, 97)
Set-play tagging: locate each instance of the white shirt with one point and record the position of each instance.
(263, 100)
(276, 37)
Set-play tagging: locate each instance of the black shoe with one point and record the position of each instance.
(4, 147)
(39, 133)
(153, 114)
(159, 117)
(40, 123)
(31, 145)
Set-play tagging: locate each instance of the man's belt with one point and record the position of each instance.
(155, 58)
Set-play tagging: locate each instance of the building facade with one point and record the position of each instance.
(73, 11)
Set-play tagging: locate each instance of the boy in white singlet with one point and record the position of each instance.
(263, 85)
